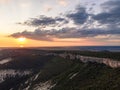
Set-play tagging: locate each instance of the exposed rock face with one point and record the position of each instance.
(44, 86)
(12, 73)
(109, 62)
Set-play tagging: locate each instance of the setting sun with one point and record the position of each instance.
(21, 40)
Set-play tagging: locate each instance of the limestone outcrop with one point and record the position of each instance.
(109, 62)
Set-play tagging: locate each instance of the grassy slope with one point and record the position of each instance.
(89, 76)
(51, 69)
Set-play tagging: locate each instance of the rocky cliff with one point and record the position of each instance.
(109, 62)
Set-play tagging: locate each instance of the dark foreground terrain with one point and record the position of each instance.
(30, 69)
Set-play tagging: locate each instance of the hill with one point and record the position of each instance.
(42, 70)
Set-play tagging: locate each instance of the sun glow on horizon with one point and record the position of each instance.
(21, 41)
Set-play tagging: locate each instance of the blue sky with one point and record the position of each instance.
(59, 20)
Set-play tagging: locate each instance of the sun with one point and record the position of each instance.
(21, 40)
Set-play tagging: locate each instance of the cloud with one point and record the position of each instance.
(103, 24)
(36, 35)
(49, 35)
(79, 16)
(110, 13)
(44, 21)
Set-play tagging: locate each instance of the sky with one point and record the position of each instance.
(59, 23)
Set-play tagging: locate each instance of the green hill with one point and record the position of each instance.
(75, 75)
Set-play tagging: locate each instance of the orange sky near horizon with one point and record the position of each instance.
(13, 42)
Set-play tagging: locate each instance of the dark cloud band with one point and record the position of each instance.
(108, 19)
(44, 21)
(48, 35)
